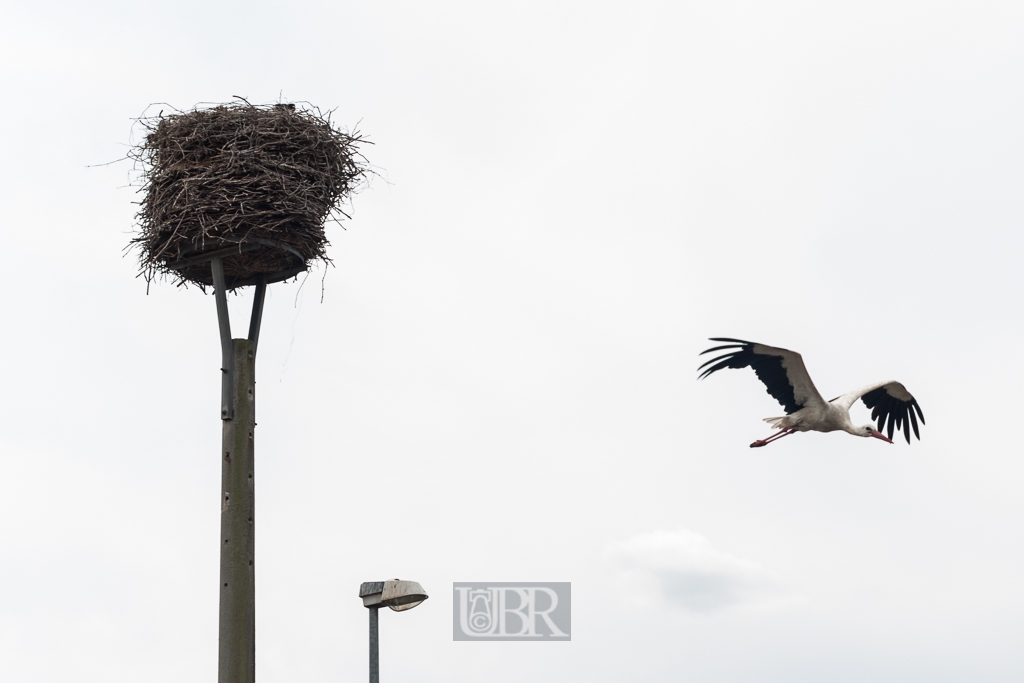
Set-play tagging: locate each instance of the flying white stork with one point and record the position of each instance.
(783, 372)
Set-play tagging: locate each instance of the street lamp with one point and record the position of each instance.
(396, 594)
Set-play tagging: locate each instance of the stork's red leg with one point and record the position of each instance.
(774, 437)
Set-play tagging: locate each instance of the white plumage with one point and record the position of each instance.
(785, 376)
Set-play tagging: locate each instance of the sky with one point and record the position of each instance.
(496, 380)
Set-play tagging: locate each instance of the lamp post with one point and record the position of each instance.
(396, 594)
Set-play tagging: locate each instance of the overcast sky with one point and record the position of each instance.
(500, 382)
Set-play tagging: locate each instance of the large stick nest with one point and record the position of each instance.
(238, 176)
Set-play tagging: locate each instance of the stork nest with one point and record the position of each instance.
(264, 178)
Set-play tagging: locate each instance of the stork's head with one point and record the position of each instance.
(869, 430)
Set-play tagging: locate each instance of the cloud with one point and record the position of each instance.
(682, 569)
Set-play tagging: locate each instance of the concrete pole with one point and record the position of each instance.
(237, 655)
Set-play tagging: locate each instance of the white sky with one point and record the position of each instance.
(500, 381)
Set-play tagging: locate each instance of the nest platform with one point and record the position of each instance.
(252, 185)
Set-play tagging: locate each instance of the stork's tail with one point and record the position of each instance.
(775, 422)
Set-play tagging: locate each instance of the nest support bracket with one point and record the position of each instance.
(227, 407)
(220, 291)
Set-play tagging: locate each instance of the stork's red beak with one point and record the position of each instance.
(879, 435)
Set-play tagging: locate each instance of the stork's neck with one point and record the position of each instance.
(842, 417)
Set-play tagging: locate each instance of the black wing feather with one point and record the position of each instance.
(913, 422)
(768, 369)
(898, 413)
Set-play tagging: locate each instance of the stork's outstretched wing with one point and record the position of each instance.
(889, 402)
(781, 370)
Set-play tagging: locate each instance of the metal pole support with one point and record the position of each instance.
(237, 648)
(257, 310)
(227, 363)
(227, 409)
(374, 647)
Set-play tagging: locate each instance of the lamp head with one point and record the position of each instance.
(397, 594)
